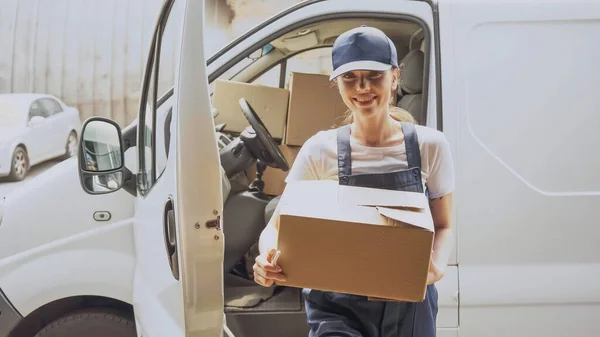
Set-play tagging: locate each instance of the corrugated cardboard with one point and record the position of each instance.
(270, 104)
(274, 178)
(315, 105)
(340, 238)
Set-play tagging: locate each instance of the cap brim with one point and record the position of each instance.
(359, 65)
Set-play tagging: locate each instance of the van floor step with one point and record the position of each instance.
(284, 299)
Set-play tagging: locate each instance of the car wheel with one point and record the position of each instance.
(91, 323)
(71, 146)
(19, 165)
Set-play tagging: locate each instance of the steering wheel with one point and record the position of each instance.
(273, 156)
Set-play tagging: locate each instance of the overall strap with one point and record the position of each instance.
(344, 152)
(411, 141)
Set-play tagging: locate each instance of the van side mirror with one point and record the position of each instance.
(101, 157)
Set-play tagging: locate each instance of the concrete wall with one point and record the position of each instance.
(90, 53)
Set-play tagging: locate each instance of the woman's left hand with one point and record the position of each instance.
(434, 274)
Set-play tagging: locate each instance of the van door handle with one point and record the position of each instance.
(170, 235)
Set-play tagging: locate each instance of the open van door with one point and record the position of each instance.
(178, 279)
(177, 228)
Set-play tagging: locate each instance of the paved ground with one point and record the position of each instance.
(7, 187)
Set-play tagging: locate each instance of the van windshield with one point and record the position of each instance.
(246, 62)
(231, 72)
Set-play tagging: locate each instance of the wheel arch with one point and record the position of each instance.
(21, 144)
(51, 311)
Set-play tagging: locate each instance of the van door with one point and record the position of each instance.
(520, 84)
(178, 240)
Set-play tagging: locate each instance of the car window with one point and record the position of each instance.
(52, 106)
(156, 119)
(38, 109)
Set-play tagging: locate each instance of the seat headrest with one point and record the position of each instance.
(411, 72)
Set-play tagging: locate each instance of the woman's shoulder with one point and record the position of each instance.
(315, 157)
(429, 136)
(322, 140)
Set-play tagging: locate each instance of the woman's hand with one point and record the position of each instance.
(434, 274)
(265, 272)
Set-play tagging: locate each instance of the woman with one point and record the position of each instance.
(380, 148)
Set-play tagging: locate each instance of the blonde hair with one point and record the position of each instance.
(396, 113)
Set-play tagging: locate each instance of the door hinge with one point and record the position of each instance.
(215, 223)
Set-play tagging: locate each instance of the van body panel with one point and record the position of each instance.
(520, 111)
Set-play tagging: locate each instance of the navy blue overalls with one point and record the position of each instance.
(342, 315)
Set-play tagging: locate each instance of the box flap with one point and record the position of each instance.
(420, 219)
(317, 199)
(364, 196)
(321, 199)
(310, 191)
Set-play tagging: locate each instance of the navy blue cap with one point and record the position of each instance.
(363, 48)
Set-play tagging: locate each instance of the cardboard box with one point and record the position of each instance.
(355, 240)
(315, 105)
(274, 178)
(270, 104)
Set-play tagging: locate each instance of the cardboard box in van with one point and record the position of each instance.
(315, 105)
(275, 178)
(270, 104)
(355, 240)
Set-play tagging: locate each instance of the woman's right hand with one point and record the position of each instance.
(265, 272)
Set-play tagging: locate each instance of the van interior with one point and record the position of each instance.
(248, 207)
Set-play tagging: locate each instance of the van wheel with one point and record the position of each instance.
(19, 165)
(91, 323)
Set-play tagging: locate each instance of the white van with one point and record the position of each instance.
(156, 245)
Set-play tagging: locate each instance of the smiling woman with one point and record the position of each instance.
(374, 151)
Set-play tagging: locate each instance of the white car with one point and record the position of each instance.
(35, 128)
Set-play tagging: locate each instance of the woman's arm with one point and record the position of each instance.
(268, 237)
(441, 211)
(303, 168)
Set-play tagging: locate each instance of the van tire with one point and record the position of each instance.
(97, 322)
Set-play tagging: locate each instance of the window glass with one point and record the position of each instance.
(270, 78)
(52, 106)
(37, 109)
(155, 126)
(316, 61)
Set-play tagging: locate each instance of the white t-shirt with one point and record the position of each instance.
(317, 159)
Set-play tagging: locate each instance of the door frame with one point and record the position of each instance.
(433, 37)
